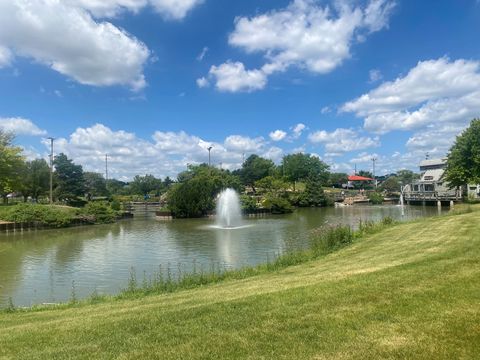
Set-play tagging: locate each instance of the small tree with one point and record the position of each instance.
(391, 184)
(463, 162)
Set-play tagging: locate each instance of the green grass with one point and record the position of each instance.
(408, 291)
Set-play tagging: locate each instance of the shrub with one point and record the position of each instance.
(100, 211)
(277, 205)
(249, 204)
(51, 216)
(375, 198)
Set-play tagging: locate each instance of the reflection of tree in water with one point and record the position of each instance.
(64, 246)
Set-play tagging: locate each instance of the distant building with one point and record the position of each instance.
(432, 187)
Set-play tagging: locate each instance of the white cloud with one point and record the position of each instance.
(174, 9)
(244, 143)
(201, 56)
(109, 8)
(202, 82)
(364, 158)
(233, 77)
(298, 130)
(20, 126)
(5, 57)
(92, 53)
(306, 35)
(375, 75)
(166, 153)
(432, 93)
(277, 135)
(342, 140)
(326, 110)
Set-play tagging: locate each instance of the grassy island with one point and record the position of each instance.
(408, 291)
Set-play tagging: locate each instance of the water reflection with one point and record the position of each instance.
(40, 266)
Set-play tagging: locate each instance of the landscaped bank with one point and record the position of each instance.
(409, 291)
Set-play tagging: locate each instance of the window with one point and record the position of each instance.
(428, 178)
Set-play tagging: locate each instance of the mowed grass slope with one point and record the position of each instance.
(410, 291)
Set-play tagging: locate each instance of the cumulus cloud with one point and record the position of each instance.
(342, 140)
(5, 57)
(20, 126)
(434, 101)
(277, 135)
(298, 130)
(174, 9)
(90, 52)
(202, 54)
(305, 35)
(166, 153)
(375, 75)
(433, 93)
(233, 77)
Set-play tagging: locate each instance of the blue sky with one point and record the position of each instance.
(153, 83)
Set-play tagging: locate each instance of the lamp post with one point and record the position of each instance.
(51, 169)
(209, 149)
(374, 159)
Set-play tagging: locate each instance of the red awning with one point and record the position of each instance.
(359, 178)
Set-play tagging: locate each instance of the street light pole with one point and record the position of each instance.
(209, 149)
(374, 159)
(106, 171)
(51, 169)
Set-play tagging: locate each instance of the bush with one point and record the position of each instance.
(375, 198)
(100, 211)
(51, 216)
(277, 205)
(249, 204)
(115, 205)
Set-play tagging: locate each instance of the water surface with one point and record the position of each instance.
(40, 266)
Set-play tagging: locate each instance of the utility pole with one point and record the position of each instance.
(355, 173)
(374, 159)
(106, 170)
(209, 149)
(51, 169)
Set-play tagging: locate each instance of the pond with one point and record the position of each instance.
(41, 266)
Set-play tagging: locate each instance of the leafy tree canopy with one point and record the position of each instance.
(69, 179)
(36, 179)
(95, 184)
(255, 168)
(302, 166)
(11, 164)
(194, 195)
(463, 162)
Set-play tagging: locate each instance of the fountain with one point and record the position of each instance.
(228, 210)
(401, 200)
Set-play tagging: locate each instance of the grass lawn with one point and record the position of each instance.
(409, 291)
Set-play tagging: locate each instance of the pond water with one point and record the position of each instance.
(40, 266)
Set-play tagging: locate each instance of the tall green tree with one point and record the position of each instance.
(463, 162)
(406, 176)
(313, 194)
(36, 179)
(391, 184)
(302, 166)
(142, 185)
(254, 169)
(12, 165)
(68, 178)
(95, 184)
